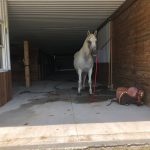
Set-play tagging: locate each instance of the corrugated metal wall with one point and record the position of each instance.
(57, 24)
(104, 44)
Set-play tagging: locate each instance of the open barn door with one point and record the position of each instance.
(4, 37)
(5, 77)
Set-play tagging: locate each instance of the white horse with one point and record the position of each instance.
(83, 60)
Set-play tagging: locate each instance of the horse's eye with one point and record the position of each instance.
(89, 42)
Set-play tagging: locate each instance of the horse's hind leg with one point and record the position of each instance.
(84, 78)
(79, 81)
(90, 81)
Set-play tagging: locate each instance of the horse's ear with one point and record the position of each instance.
(88, 33)
(95, 33)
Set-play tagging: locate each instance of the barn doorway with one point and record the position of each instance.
(49, 113)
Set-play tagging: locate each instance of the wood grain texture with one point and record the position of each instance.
(131, 47)
(27, 64)
(6, 87)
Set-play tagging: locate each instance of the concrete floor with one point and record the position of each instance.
(50, 114)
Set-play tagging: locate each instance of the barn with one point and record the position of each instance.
(37, 45)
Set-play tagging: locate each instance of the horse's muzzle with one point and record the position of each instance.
(94, 51)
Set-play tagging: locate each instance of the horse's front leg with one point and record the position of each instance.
(90, 81)
(79, 81)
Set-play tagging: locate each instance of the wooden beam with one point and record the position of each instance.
(111, 56)
(27, 64)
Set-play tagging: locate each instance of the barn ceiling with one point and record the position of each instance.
(57, 26)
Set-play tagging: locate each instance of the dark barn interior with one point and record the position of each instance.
(40, 104)
(55, 30)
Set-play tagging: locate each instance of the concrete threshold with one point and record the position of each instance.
(75, 136)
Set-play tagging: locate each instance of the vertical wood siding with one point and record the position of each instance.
(131, 47)
(6, 87)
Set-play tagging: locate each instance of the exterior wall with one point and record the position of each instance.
(5, 73)
(6, 87)
(131, 46)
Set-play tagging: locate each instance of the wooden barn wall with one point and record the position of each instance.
(6, 87)
(131, 46)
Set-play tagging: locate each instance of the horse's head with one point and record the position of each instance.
(91, 40)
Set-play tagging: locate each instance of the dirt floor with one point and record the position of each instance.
(50, 114)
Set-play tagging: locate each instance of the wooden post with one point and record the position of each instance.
(27, 64)
(110, 82)
(111, 57)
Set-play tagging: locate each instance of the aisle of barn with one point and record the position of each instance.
(51, 114)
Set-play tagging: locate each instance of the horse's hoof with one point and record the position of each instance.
(79, 94)
(90, 93)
